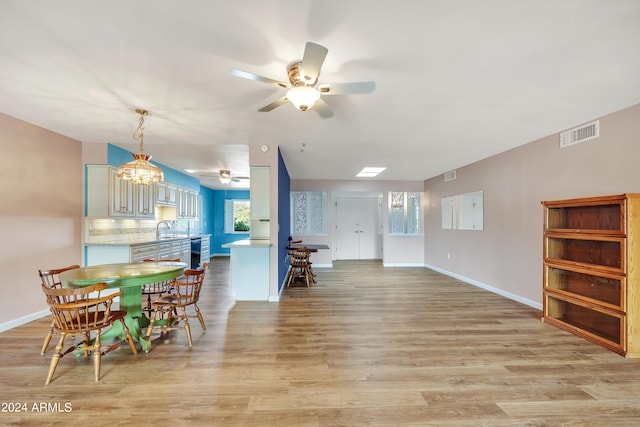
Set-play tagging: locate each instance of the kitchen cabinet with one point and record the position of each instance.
(172, 250)
(186, 251)
(205, 249)
(260, 191)
(591, 275)
(145, 201)
(109, 196)
(188, 204)
(166, 194)
(120, 195)
(260, 194)
(124, 253)
(139, 253)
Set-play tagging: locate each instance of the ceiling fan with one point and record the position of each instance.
(225, 176)
(304, 92)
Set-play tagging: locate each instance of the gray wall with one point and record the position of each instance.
(40, 214)
(507, 256)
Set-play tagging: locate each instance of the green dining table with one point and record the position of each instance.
(129, 278)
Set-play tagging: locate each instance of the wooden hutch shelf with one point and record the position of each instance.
(592, 269)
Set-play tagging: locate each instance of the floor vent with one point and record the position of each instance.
(580, 134)
(450, 176)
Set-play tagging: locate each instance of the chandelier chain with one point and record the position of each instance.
(138, 135)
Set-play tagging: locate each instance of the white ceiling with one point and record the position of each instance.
(456, 81)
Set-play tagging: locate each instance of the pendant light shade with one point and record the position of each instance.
(303, 97)
(225, 176)
(140, 170)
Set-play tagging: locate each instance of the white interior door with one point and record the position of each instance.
(370, 231)
(358, 234)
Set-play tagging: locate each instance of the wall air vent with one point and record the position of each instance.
(580, 134)
(450, 176)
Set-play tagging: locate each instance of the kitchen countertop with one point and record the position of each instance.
(248, 243)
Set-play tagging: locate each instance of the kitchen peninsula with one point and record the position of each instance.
(250, 269)
(139, 249)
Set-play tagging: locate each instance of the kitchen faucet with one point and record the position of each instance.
(158, 228)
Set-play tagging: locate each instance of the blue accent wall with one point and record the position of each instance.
(284, 218)
(218, 236)
(117, 156)
(207, 196)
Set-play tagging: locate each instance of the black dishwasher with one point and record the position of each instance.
(196, 244)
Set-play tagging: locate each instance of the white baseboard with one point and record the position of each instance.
(24, 319)
(402, 264)
(322, 265)
(500, 292)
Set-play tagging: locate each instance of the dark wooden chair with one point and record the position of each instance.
(299, 266)
(79, 312)
(172, 308)
(155, 288)
(51, 280)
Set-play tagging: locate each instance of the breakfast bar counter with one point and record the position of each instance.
(250, 269)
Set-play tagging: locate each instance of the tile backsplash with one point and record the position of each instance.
(100, 230)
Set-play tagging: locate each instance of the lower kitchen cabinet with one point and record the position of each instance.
(124, 253)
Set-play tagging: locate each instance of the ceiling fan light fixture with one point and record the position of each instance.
(140, 170)
(303, 97)
(225, 176)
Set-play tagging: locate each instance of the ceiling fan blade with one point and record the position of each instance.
(312, 61)
(347, 88)
(274, 104)
(323, 109)
(251, 76)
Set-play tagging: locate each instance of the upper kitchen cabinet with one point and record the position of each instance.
(166, 194)
(260, 194)
(188, 204)
(110, 196)
(145, 200)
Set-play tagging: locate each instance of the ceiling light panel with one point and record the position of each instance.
(370, 172)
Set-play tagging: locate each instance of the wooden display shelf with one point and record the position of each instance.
(587, 320)
(591, 279)
(584, 219)
(608, 289)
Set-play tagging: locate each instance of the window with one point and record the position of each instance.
(308, 213)
(404, 214)
(236, 216)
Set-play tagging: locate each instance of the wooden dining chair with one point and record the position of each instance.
(51, 280)
(155, 288)
(299, 266)
(170, 311)
(79, 312)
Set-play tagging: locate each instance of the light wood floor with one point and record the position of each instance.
(365, 346)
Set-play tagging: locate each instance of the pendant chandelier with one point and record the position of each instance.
(140, 170)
